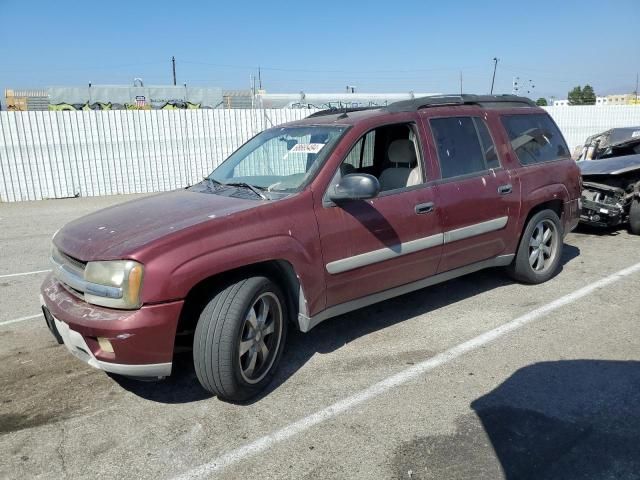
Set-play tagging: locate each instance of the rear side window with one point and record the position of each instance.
(535, 138)
(464, 146)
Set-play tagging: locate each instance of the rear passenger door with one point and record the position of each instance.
(476, 199)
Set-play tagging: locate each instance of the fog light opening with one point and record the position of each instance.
(105, 345)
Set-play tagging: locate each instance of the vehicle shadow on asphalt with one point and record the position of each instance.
(183, 386)
(550, 420)
(589, 230)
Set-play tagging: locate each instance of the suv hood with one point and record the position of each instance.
(118, 231)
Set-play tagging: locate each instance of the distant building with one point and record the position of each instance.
(26, 99)
(115, 97)
(621, 99)
(616, 99)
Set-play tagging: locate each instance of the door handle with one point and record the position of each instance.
(505, 189)
(424, 208)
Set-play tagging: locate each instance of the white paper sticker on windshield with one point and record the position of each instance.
(307, 147)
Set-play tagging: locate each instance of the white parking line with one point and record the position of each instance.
(266, 442)
(24, 273)
(21, 319)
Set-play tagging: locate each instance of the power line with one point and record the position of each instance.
(305, 70)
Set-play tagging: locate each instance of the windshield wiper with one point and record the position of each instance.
(213, 184)
(253, 188)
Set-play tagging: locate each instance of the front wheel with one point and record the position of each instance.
(239, 339)
(540, 249)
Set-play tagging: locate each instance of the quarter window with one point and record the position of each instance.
(464, 146)
(535, 138)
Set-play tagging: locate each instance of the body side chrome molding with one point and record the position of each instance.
(307, 323)
(387, 253)
(475, 229)
(394, 251)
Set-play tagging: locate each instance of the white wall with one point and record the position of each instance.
(89, 153)
(579, 122)
(63, 154)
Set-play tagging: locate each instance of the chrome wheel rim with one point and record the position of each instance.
(260, 337)
(543, 246)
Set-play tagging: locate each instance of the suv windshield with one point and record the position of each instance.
(279, 159)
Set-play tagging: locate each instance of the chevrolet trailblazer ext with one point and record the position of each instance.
(307, 221)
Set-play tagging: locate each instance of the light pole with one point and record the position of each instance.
(493, 79)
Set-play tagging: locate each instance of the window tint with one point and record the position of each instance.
(535, 138)
(464, 146)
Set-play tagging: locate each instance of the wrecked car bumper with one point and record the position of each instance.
(609, 186)
(601, 215)
(136, 343)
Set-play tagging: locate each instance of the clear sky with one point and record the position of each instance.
(322, 46)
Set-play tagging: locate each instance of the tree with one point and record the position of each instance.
(575, 96)
(588, 95)
(542, 102)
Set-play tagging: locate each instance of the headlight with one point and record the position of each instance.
(122, 280)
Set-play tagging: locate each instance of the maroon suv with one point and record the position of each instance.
(307, 221)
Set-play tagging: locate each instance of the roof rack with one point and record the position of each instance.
(414, 104)
(444, 100)
(334, 110)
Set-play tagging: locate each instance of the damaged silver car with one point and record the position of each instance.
(610, 166)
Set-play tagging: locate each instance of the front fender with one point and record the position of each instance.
(183, 277)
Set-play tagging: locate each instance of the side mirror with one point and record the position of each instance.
(355, 186)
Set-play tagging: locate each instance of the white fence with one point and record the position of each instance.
(89, 153)
(578, 123)
(66, 154)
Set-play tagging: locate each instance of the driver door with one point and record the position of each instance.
(369, 246)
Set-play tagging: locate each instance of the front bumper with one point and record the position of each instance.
(601, 215)
(142, 340)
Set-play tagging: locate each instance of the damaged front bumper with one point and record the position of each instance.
(603, 205)
(135, 343)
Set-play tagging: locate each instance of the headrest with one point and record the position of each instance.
(402, 151)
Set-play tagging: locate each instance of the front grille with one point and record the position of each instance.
(79, 264)
(69, 272)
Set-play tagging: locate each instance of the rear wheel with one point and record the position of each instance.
(634, 216)
(538, 255)
(239, 339)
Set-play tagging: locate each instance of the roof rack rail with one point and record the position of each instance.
(334, 110)
(465, 99)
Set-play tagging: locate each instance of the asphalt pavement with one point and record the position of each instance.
(479, 377)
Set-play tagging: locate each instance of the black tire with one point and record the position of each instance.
(224, 323)
(522, 268)
(634, 216)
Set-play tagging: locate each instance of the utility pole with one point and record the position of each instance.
(636, 88)
(173, 64)
(495, 66)
(259, 79)
(461, 82)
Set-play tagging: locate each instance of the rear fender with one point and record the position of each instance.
(548, 193)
